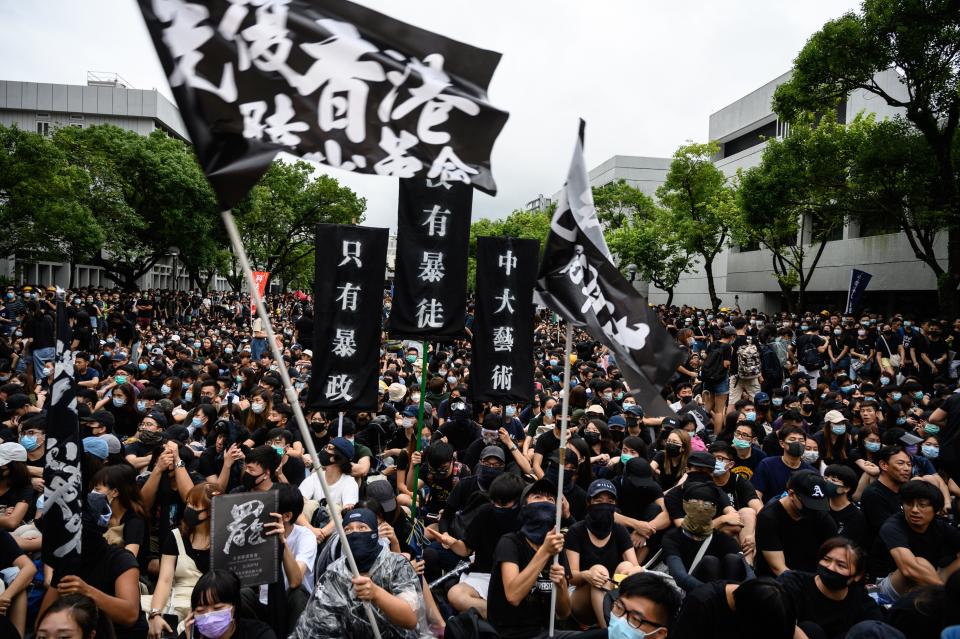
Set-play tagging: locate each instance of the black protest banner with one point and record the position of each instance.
(329, 81)
(237, 539)
(579, 282)
(430, 281)
(502, 365)
(63, 485)
(351, 263)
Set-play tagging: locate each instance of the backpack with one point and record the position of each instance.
(809, 356)
(469, 625)
(770, 364)
(748, 360)
(712, 370)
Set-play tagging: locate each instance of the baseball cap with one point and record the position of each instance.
(539, 487)
(380, 489)
(598, 486)
(811, 488)
(701, 459)
(396, 391)
(344, 446)
(158, 417)
(635, 409)
(834, 417)
(670, 422)
(493, 451)
(595, 409)
(96, 447)
(761, 397)
(113, 444)
(617, 422)
(364, 515)
(307, 352)
(11, 452)
(103, 417)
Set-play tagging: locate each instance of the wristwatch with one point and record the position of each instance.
(179, 463)
(154, 612)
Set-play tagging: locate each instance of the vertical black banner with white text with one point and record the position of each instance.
(348, 300)
(503, 328)
(433, 235)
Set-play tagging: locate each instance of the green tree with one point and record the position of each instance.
(277, 220)
(798, 191)
(920, 39)
(700, 206)
(529, 225)
(617, 203)
(44, 201)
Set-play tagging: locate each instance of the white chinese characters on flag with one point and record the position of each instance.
(329, 81)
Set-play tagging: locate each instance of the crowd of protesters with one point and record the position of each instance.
(804, 486)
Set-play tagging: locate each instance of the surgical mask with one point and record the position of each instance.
(750, 416)
(489, 437)
(719, 468)
(451, 380)
(228, 351)
(929, 451)
(553, 362)
(838, 429)
(548, 413)
(510, 411)
(415, 398)
(901, 421)
(884, 381)
(188, 396)
(918, 395)
(872, 446)
(537, 519)
(119, 401)
(197, 344)
(141, 367)
(411, 358)
(257, 407)
(624, 458)
(861, 333)
(740, 443)
(810, 456)
(280, 450)
(141, 406)
(627, 405)
(214, 624)
(837, 331)
(608, 396)
(848, 388)
(931, 429)
(896, 396)
(165, 389)
(196, 422)
(120, 379)
(777, 401)
(29, 442)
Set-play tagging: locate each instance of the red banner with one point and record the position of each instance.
(260, 278)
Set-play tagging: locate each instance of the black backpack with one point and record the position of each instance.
(770, 365)
(809, 355)
(465, 516)
(469, 625)
(712, 370)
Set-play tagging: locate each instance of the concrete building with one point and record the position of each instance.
(105, 99)
(746, 276)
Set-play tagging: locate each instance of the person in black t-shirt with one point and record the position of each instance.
(524, 575)
(850, 520)
(879, 500)
(596, 550)
(721, 610)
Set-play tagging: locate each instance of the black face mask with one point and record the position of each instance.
(832, 580)
(537, 519)
(365, 548)
(600, 519)
(591, 438)
(486, 475)
(795, 449)
(191, 516)
(506, 518)
(672, 449)
(250, 481)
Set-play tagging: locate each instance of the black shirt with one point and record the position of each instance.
(101, 568)
(878, 503)
(835, 617)
(797, 540)
(200, 557)
(9, 550)
(739, 491)
(609, 556)
(484, 533)
(939, 544)
(532, 615)
(851, 523)
(461, 433)
(706, 613)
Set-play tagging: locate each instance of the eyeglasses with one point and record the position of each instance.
(634, 618)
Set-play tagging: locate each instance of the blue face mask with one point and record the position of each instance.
(165, 389)
(29, 442)
(619, 628)
(553, 362)
(872, 446)
(141, 406)
(838, 429)
(750, 416)
(510, 411)
(740, 443)
(188, 396)
(884, 381)
(548, 412)
(119, 401)
(554, 378)
(918, 396)
(142, 366)
(896, 396)
(930, 452)
(848, 388)
(931, 429)
(228, 351)
(196, 422)
(901, 421)
(777, 401)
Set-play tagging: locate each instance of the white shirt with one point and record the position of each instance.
(303, 547)
(344, 492)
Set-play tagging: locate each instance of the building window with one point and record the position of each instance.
(871, 225)
(43, 128)
(819, 229)
(750, 139)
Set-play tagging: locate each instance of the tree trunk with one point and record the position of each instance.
(669, 297)
(948, 282)
(708, 269)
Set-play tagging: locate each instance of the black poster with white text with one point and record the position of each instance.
(238, 542)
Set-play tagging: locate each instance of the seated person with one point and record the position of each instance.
(16, 573)
(772, 474)
(215, 603)
(646, 606)
(720, 610)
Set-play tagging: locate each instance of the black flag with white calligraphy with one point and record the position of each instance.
(63, 496)
(578, 280)
(502, 364)
(329, 81)
(430, 282)
(351, 264)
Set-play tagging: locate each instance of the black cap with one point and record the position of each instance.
(103, 417)
(701, 459)
(812, 490)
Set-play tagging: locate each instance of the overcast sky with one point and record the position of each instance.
(644, 75)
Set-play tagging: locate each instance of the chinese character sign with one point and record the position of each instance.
(63, 496)
(503, 328)
(350, 266)
(430, 285)
(327, 80)
(238, 542)
(578, 280)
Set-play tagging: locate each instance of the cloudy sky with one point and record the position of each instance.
(645, 75)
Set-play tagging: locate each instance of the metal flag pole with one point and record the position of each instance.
(567, 349)
(294, 401)
(416, 468)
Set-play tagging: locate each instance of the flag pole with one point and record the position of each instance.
(416, 468)
(567, 350)
(294, 401)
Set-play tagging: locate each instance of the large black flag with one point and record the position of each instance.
(351, 264)
(327, 80)
(578, 280)
(63, 485)
(502, 365)
(430, 284)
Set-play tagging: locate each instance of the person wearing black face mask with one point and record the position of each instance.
(491, 522)
(471, 492)
(832, 600)
(259, 465)
(574, 495)
(387, 581)
(596, 550)
(524, 575)
(773, 473)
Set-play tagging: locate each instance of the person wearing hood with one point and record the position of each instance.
(524, 573)
(387, 581)
(598, 549)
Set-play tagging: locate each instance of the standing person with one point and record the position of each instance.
(745, 371)
(524, 574)
(715, 375)
(810, 348)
